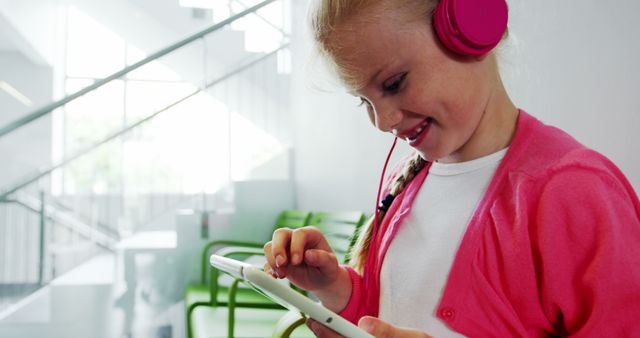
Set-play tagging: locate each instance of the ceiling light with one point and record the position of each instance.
(16, 94)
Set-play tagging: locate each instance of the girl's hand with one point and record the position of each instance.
(304, 257)
(374, 326)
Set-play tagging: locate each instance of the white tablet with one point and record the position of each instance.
(286, 296)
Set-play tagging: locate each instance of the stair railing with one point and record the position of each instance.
(18, 123)
(50, 214)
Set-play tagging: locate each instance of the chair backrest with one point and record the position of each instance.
(340, 229)
(292, 219)
(286, 218)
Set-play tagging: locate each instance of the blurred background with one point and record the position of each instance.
(134, 132)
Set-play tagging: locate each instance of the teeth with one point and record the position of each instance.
(419, 130)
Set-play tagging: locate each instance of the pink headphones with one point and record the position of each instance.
(470, 27)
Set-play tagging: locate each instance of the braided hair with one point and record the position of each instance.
(400, 181)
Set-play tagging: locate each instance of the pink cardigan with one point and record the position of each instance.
(553, 248)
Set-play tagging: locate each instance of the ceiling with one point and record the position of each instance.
(6, 42)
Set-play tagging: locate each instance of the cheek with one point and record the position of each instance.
(458, 105)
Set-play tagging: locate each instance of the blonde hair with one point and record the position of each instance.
(403, 177)
(329, 17)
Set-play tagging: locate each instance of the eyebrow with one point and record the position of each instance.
(368, 83)
(393, 61)
(372, 78)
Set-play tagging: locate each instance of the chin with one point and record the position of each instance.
(437, 152)
(429, 157)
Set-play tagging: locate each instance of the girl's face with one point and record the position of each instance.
(413, 88)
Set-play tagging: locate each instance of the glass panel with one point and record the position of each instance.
(262, 29)
(147, 97)
(183, 150)
(154, 70)
(93, 116)
(97, 172)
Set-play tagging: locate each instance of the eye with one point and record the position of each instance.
(394, 84)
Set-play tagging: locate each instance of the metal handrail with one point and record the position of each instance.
(263, 19)
(24, 199)
(99, 238)
(51, 107)
(5, 194)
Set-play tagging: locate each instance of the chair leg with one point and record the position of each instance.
(232, 308)
(189, 315)
(287, 324)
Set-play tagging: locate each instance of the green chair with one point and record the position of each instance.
(341, 230)
(209, 293)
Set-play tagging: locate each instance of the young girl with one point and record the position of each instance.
(498, 225)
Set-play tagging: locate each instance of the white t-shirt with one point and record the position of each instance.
(417, 263)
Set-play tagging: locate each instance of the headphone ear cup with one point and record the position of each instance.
(470, 27)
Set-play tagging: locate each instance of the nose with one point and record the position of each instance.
(386, 116)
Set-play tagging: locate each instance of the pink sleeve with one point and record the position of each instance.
(588, 237)
(353, 311)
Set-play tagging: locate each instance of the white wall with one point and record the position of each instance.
(29, 148)
(570, 63)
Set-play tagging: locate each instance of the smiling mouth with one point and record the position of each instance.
(417, 132)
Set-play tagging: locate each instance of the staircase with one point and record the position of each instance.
(233, 101)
